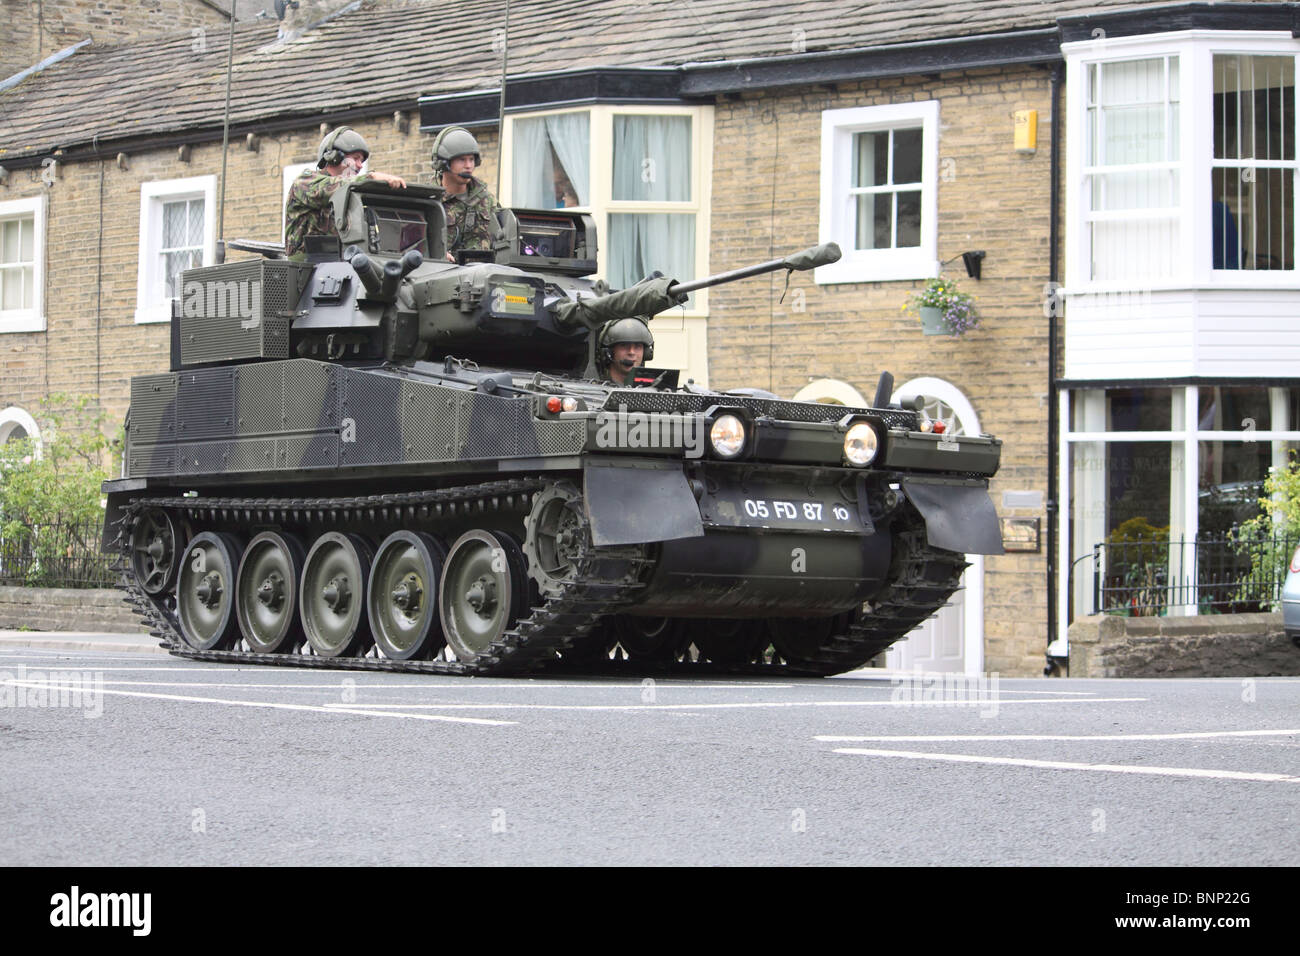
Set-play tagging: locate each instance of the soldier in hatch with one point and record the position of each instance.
(624, 344)
(307, 210)
(471, 207)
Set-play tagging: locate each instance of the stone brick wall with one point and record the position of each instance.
(53, 609)
(34, 29)
(1212, 645)
(766, 165)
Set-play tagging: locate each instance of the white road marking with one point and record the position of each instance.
(469, 683)
(925, 738)
(1064, 765)
(747, 705)
(361, 711)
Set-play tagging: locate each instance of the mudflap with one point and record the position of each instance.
(959, 515)
(118, 492)
(631, 502)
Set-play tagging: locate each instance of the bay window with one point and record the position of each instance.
(1183, 172)
(642, 172)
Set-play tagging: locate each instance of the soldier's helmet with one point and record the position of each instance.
(452, 142)
(337, 144)
(635, 329)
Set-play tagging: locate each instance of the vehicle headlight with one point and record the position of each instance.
(860, 444)
(727, 436)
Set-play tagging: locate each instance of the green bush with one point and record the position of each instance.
(1268, 539)
(51, 504)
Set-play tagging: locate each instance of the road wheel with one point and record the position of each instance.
(403, 597)
(205, 591)
(657, 639)
(333, 596)
(267, 598)
(729, 642)
(797, 639)
(484, 590)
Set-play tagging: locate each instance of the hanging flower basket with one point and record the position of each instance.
(932, 322)
(944, 309)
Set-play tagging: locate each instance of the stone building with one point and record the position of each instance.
(703, 139)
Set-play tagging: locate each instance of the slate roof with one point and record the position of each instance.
(385, 53)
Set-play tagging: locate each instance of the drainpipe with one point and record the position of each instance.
(1053, 417)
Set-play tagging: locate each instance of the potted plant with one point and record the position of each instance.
(944, 309)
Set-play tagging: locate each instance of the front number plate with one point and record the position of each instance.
(780, 509)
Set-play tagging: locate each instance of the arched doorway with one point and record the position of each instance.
(831, 391)
(16, 423)
(951, 641)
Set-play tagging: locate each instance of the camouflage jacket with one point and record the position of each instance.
(471, 218)
(307, 210)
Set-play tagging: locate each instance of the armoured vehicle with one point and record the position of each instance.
(379, 458)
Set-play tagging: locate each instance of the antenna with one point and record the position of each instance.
(501, 108)
(225, 141)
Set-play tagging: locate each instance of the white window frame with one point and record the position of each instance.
(1196, 50)
(837, 203)
(149, 307)
(601, 184)
(32, 319)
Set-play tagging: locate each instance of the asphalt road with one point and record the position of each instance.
(155, 760)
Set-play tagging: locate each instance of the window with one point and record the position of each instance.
(551, 161)
(177, 232)
(22, 272)
(1133, 175)
(1253, 172)
(1148, 466)
(641, 171)
(1164, 120)
(879, 200)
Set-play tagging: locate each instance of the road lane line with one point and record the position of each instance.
(1065, 765)
(749, 705)
(364, 712)
(334, 685)
(927, 738)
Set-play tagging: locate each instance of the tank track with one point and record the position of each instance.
(922, 580)
(536, 639)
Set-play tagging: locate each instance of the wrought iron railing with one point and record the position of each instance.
(1218, 574)
(54, 556)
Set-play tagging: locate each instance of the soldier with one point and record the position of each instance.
(307, 211)
(471, 207)
(623, 345)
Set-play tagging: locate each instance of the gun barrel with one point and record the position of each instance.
(810, 258)
(682, 288)
(657, 294)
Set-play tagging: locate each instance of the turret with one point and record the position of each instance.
(385, 290)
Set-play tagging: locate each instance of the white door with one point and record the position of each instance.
(951, 641)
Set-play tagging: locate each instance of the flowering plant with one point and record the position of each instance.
(956, 308)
